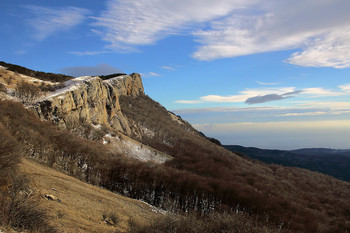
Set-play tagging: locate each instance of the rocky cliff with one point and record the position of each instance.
(128, 85)
(90, 100)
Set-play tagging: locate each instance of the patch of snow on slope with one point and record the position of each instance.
(154, 209)
(135, 149)
(32, 79)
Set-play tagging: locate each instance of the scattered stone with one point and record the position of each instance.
(50, 197)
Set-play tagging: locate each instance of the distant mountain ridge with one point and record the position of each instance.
(332, 162)
(322, 151)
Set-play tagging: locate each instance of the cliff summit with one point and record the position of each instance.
(90, 100)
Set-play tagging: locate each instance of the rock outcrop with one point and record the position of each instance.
(130, 85)
(90, 100)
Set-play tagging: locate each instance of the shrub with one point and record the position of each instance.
(8, 80)
(3, 88)
(27, 92)
(209, 224)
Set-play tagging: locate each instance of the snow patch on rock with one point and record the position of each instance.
(70, 85)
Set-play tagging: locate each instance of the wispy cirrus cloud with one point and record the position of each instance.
(47, 21)
(231, 28)
(188, 101)
(150, 74)
(168, 68)
(319, 30)
(89, 53)
(262, 83)
(125, 24)
(329, 49)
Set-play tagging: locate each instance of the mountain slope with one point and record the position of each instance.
(331, 162)
(285, 194)
(202, 178)
(82, 206)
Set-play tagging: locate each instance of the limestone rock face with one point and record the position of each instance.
(130, 85)
(90, 100)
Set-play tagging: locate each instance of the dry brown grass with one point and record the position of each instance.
(11, 79)
(82, 205)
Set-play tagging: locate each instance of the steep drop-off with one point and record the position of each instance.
(90, 100)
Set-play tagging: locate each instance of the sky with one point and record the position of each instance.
(265, 73)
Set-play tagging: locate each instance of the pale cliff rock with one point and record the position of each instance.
(90, 100)
(130, 85)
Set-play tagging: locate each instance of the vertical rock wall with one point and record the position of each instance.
(90, 100)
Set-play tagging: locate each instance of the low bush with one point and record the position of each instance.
(3, 88)
(212, 223)
(27, 92)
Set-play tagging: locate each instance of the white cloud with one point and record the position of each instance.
(188, 101)
(125, 23)
(262, 83)
(224, 99)
(262, 95)
(317, 113)
(242, 96)
(47, 21)
(304, 114)
(334, 106)
(168, 68)
(329, 50)
(345, 87)
(239, 35)
(319, 91)
(150, 74)
(320, 29)
(89, 53)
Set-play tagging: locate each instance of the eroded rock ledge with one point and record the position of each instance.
(90, 100)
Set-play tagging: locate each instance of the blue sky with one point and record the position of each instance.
(265, 73)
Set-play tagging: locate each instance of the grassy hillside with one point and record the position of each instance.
(82, 207)
(36, 74)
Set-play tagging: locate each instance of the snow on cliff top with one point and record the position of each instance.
(115, 78)
(76, 83)
(70, 85)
